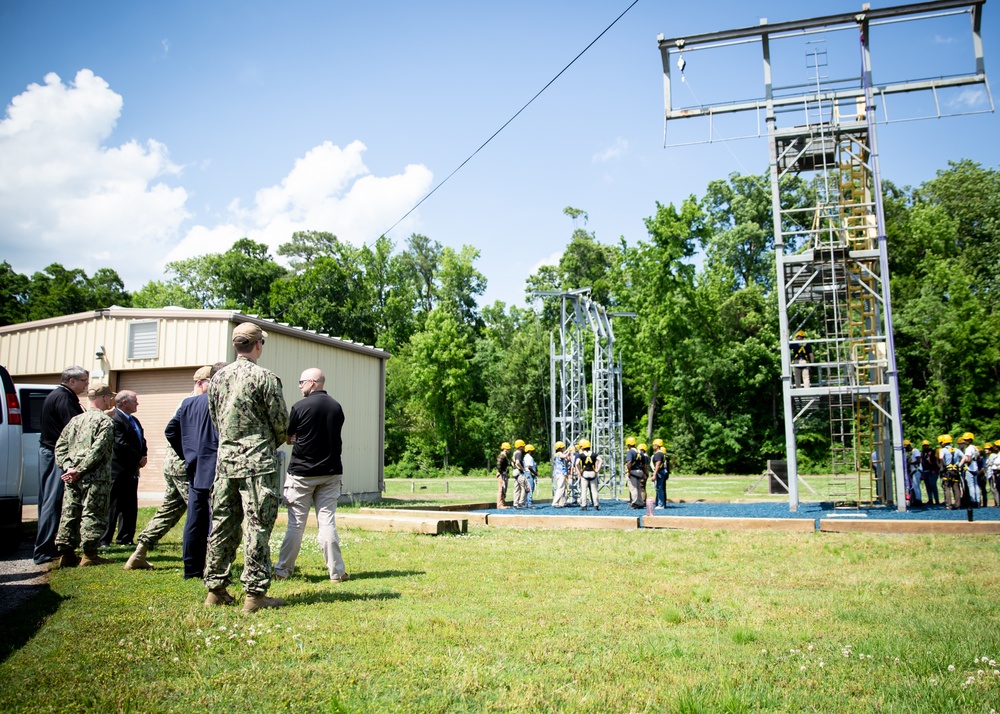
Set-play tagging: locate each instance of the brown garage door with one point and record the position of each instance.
(160, 392)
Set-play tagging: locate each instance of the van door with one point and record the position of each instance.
(31, 426)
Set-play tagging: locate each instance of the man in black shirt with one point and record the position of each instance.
(62, 404)
(315, 474)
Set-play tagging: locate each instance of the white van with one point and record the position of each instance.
(10, 463)
(31, 397)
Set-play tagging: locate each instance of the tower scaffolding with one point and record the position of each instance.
(580, 318)
(831, 258)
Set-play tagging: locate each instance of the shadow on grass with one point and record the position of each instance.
(314, 598)
(367, 575)
(20, 624)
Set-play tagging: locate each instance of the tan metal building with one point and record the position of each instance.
(156, 352)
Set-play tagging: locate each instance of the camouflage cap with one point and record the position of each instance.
(202, 373)
(247, 333)
(95, 392)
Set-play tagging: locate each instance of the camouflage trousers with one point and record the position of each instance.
(255, 498)
(174, 505)
(84, 515)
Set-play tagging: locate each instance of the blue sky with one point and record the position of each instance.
(139, 132)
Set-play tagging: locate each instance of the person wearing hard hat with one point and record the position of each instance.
(949, 457)
(520, 475)
(633, 469)
(560, 468)
(588, 466)
(661, 472)
(911, 457)
(644, 458)
(572, 479)
(992, 450)
(503, 466)
(969, 465)
(531, 474)
(802, 356)
(929, 472)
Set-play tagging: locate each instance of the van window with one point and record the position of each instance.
(31, 409)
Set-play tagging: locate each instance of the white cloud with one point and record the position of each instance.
(551, 260)
(942, 40)
(66, 197)
(328, 189)
(615, 151)
(968, 98)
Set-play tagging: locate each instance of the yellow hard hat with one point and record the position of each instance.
(988, 445)
(657, 443)
(519, 443)
(662, 449)
(560, 446)
(642, 447)
(800, 333)
(967, 436)
(529, 447)
(945, 438)
(584, 443)
(925, 443)
(906, 442)
(505, 445)
(630, 441)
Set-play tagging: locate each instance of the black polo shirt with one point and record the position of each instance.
(316, 421)
(59, 407)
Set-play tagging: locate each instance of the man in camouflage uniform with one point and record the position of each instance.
(175, 495)
(83, 452)
(248, 408)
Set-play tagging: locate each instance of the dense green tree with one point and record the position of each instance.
(238, 279)
(63, 291)
(14, 308)
(157, 293)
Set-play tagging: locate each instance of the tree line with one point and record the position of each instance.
(701, 361)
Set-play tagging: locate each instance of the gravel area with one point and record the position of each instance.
(20, 578)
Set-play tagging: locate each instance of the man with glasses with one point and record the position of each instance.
(61, 405)
(248, 410)
(315, 475)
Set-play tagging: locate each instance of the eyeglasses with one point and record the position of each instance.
(303, 381)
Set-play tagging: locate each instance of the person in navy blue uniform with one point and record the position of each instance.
(127, 458)
(61, 405)
(192, 435)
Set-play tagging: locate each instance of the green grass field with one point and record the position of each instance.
(532, 620)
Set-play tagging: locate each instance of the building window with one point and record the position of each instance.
(143, 340)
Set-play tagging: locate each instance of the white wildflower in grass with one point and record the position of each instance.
(763, 651)
(802, 668)
(993, 663)
(810, 648)
(996, 672)
(198, 631)
(208, 641)
(251, 642)
(222, 628)
(177, 659)
(896, 660)
(933, 682)
(121, 643)
(822, 663)
(951, 668)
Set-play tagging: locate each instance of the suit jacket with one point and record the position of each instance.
(129, 448)
(193, 437)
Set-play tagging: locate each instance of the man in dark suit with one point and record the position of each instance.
(128, 457)
(193, 437)
(62, 404)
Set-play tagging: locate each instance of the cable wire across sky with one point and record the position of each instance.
(506, 123)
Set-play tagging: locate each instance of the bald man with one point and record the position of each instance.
(127, 457)
(315, 475)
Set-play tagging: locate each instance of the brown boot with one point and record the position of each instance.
(68, 559)
(137, 561)
(219, 596)
(260, 602)
(91, 557)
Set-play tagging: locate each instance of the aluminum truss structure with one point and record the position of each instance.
(581, 318)
(831, 257)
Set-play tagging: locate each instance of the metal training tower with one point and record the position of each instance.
(579, 318)
(831, 256)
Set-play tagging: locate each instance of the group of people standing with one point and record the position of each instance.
(967, 472)
(575, 474)
(221, 469)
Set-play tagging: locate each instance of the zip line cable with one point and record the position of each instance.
(493, 136)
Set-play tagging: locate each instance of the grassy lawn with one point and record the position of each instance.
(532, 620)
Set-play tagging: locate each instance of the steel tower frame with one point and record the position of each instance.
(572, 417)
(831, 258)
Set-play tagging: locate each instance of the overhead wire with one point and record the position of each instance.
(506, 123)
